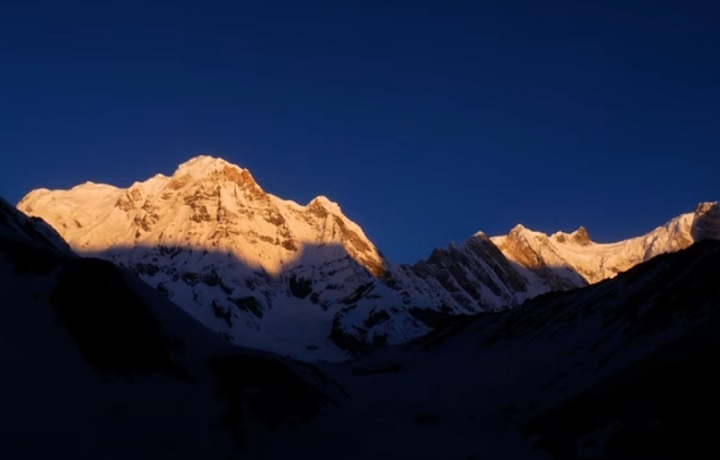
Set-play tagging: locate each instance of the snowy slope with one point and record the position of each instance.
(574, 253)
(304, 280)
(271, 273)
(96, 364)
(235, 257)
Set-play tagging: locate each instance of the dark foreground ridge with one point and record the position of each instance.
(113, 328)
(664, 405)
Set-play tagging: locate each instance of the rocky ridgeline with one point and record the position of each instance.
(305, 280)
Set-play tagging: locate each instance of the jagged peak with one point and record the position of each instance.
(479, 238)
(581, 230)
(705, 206)
(206, 167)
(323, 202)
(521, 230)
(579, 236)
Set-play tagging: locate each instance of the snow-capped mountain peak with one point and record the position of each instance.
(324, 203)
(598, 261)
(582, 361)
(305, 279)
(207, 203)
(203, 164)
(212, 221)
(207, 168)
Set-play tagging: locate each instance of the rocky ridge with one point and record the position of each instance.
(305, 280)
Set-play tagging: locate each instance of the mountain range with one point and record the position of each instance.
(305, 280)
(97, 364)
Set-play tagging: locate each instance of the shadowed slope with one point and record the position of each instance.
(90, 293)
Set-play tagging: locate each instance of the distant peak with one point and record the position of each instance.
(519, 228)
(705, 206)
(579, 236)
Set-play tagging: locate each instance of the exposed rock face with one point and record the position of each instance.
(565, 256)
(581, 237)
(305, 280)
(472, 272)
(206, 204)
(706, 222)
(215, 242)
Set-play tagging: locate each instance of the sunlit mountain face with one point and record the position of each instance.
(305, 280)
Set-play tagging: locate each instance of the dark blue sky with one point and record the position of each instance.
(426, 121)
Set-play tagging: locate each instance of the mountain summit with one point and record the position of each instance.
(207, 204)
(304, 279)
(598, 261)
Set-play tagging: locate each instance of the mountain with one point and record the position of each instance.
(96, 364)
(572, 254)
(619, 369)
(304, 279)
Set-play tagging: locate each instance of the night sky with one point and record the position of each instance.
(425, 121)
